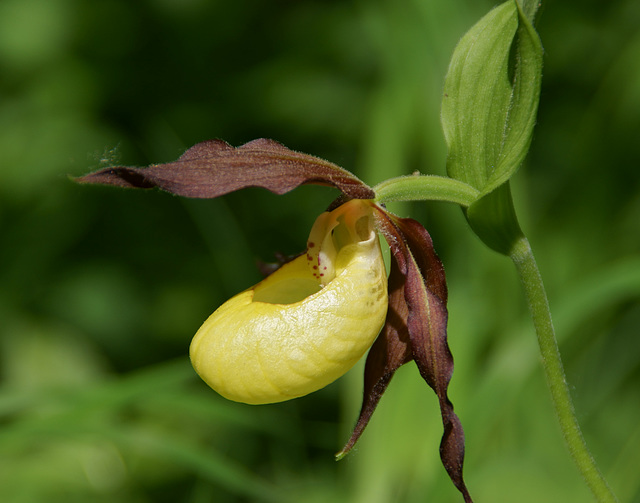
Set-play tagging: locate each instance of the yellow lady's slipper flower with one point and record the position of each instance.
(307, 323)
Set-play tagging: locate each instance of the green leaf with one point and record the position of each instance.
(477, 95)
(491, 97)
(489, 108)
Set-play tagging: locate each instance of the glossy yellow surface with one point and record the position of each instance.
(307, 323)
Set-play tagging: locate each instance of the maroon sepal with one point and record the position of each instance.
(415, 329)
(214, 168)
(427, 323)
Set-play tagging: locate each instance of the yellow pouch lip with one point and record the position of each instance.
(298, 270)
(264, 352)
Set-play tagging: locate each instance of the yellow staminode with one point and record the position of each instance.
(307, 323)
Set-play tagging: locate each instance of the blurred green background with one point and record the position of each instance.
(101, 289)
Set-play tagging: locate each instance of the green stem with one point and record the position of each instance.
(527, 268)
(425, 188)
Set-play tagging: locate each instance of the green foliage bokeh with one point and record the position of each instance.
(101, 289)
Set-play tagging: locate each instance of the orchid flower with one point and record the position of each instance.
(311, 320)
(308, 322)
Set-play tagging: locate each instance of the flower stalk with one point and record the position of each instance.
(426, 188)
(536, 296)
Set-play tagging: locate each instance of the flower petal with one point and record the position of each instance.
(425, 293)
(298, 330)
(421, 247)
(418, 293)
(214, 168)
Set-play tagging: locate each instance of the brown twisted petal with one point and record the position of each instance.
(425, 292)
(417, 312)
(214, 168)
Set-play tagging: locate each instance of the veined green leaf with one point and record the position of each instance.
(477, 95)
(491, 97)
(489, 111)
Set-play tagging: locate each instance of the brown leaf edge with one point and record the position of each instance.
(415, 329)
(213, 168)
